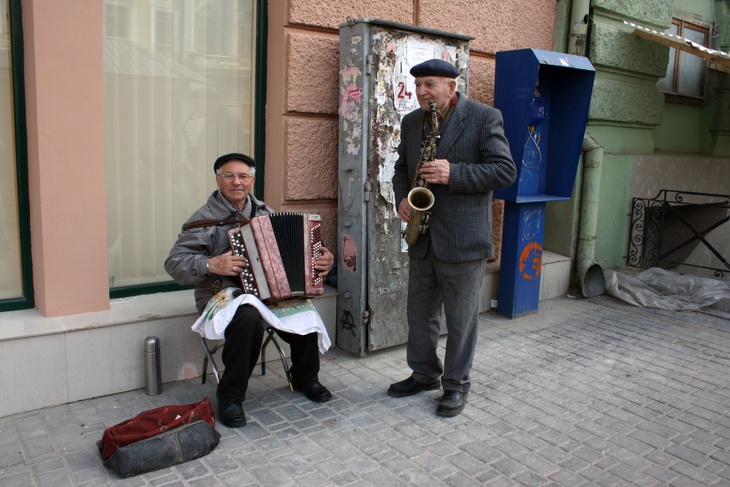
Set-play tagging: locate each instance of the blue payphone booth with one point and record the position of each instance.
(544, 98)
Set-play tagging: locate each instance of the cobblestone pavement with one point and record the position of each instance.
(585, 392)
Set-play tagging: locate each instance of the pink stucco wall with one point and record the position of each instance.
(303, 65)
(65, 117)
(65, 124)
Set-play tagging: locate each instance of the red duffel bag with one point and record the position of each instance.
(159, 438)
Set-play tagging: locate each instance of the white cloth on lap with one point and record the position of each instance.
(298, 316)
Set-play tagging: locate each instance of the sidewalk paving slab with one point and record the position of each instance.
(585, 392)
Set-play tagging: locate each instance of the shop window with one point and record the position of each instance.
(163, 31)
(16, 287)
(116, 20)
(178, 91)
(686, 72)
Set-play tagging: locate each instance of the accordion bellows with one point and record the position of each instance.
(281, 249)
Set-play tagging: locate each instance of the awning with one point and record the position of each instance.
(124, 56)
(719, 60)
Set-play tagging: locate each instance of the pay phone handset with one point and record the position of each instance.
(537, 109)
(532, 153)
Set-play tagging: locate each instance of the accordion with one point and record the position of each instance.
(281, 249)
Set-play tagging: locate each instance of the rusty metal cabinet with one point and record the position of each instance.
(376, 91)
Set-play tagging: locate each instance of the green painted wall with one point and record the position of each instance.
(629, 116)
(625, 109)
(699, 129)
(613, 214)
(682, 129)
(701, 8)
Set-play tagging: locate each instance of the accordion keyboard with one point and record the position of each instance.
(315, 242)
(247, 277)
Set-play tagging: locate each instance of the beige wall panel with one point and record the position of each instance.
(33, 373)
(65, 124)
(495, 25)
(312, 74)
(653, 173)
(326, 13)
(306, 63)
(276, 66)
(497, 227)
(312, 158)
(481, 80)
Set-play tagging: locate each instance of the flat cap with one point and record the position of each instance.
(435, 67)
(233, 156)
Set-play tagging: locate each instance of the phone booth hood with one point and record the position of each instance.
(564, 84)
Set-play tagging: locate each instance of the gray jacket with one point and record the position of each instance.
(186, 263)
(473, 141)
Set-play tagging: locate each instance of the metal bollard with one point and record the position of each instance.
(153, 377)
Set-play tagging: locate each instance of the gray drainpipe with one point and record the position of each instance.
(590, 274)
(578, 27)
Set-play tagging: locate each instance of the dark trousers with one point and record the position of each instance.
(244, 336)
(438, 289)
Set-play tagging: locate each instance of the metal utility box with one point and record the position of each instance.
(376, 91)
(544, 98)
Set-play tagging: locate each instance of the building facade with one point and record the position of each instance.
(122, 108)
(114, 112)
(660, 115)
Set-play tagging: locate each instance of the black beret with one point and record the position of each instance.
(435, 67)
(233, 156)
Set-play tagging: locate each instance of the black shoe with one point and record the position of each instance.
(230, 413)
(314, 391)
(452, 404)
(411, 386)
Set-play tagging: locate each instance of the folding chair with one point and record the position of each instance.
(270, 337)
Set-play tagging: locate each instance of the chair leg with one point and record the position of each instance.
(205, 367)
(208, 357)
(270, 338)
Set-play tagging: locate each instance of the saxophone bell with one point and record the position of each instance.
(421, 199)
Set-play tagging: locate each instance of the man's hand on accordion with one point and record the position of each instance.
(324, 262)
(227, 264)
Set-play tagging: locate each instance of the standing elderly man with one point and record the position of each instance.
(447, 263)
(202, 257)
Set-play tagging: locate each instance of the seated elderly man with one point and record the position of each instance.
(202, 257)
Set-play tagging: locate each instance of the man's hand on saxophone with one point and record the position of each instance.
(436, 171)
(404, 210)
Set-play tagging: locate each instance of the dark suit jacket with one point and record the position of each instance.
(473, 141)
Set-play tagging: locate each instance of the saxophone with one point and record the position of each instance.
(420, 197)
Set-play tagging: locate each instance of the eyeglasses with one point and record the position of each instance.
(229, 177)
